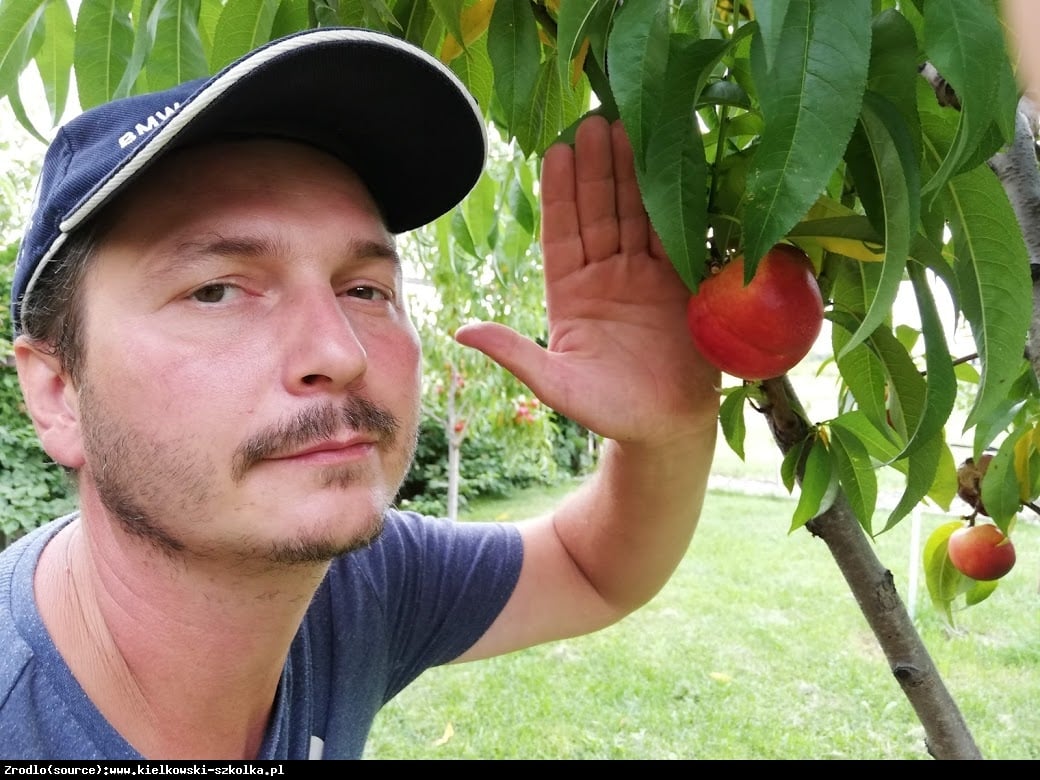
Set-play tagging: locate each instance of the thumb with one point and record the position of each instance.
(519, 355)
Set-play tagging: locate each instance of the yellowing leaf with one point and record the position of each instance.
(720, 677)
(449, 732)
(474, 21)
(836, 228)
(849, 247)
(1024, 449)
(578, 63)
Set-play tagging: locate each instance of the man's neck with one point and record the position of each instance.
(182, 657)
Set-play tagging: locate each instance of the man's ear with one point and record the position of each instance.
(51, 400)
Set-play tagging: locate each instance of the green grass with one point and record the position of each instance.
(754, 650)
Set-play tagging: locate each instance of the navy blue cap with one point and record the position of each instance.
(395, 114)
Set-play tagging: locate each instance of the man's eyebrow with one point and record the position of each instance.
(187, 254)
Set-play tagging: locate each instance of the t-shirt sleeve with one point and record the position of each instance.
(425, 591)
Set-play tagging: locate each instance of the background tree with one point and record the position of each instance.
(805, 121)
(483, 262)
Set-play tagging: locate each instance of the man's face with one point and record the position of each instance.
(251, 379)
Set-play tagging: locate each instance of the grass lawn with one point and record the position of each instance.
(754, 650)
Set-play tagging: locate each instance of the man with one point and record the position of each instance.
(213, 338)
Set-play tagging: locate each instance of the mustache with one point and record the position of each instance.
(314, 425)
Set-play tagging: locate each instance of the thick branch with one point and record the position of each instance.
(946, 734)
(1018, 172)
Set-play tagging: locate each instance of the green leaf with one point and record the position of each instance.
(991, 266)
(18, 22)
(1001, 493)
(177, 55)
(731, 418)
(292, 16)
(892, 152)
(944, 582)
(243, 25)
(104, 44)
(515, 54)
(474, 69)
(18, 109)
(865, 376)
(789, 465)
(906, 386)
(770, 19)
(553, 106)
(637, 51)
(856, 473)
(921, 470)
(674, 180)
(893, 68)
(810, 99)
(819, 485)
(577, 19)
(54, 57)
(480, 210)
(930, 471)
(450, 13)
(143, 38)
(940, 381)
(963, 39)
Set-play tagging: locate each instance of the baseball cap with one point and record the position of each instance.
(395, 114)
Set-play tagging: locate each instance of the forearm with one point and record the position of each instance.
(630, 524)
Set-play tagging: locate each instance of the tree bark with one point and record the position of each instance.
(1018, 173)
(946, 733)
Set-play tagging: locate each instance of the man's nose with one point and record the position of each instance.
(323, 351)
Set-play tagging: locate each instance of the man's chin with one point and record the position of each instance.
(324, 548)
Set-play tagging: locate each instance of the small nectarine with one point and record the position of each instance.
(981, 551)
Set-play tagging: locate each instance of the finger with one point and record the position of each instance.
(596, 193)
(633, 223)
(562, 250)
(520, 356)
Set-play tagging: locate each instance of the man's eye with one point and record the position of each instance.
(212, 293)
(369, 293)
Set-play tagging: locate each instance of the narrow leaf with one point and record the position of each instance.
(896, 168)
(576, 19)
(450, 14)
(1000, 487)
(637, 51)
(940, 380)
(515, 54)
(177, 55)
(857, 476)
(810, 98)
(921, 469)
(18, 21)
(818, 487)
(963, 39)
(54, 57)
(243, 25)
(994, 285)
(731, 418)
(770, 18)
(104, 45)
(944, 582)
(865, 377)
(674, 180)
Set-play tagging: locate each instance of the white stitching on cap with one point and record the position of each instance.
(218, 86)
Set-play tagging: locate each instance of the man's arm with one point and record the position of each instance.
(620, 362)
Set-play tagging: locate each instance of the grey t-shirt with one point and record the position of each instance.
(419, 596)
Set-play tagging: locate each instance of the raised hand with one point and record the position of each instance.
(619, 359)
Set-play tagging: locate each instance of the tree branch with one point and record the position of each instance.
(946, 733)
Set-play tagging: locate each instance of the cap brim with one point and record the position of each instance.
(400, 119)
